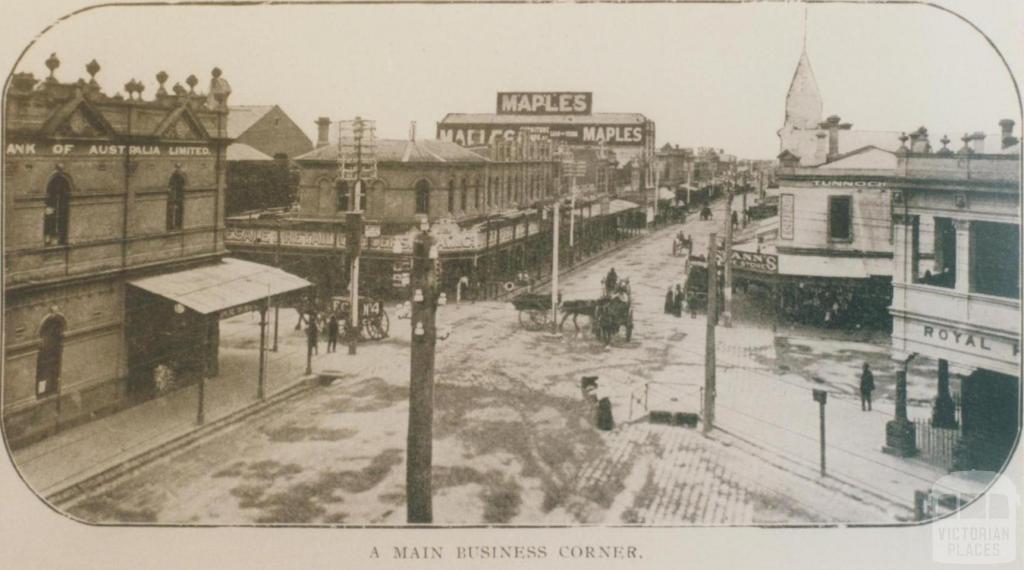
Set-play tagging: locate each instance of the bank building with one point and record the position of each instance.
(116, 273)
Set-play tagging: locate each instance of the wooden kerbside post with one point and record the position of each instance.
(709, 347)
(419, 445)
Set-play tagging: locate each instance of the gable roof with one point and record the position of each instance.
(870, 157)
(391, 150)
(242, 152)
(241, 117)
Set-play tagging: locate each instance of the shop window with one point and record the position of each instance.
(995, 259)
(176, 203)
(56, 211)
(451, 196)
(422, 197)
(945, 256)
(342, 195)
(48, 361)
(465, 192)
(840, 218)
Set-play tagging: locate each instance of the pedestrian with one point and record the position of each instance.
(332, 334)
(312, 335)
(735, 219)
(611, 282)
(867, 385)
(677, 302)
(670, 301)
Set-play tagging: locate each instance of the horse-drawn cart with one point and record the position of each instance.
(534, 310)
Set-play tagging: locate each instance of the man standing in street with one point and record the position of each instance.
(332, 334)
(313, 336)
(867, 385)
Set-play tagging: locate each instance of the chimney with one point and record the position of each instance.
(919, 141)
(323, 129)
(821, 148)
(978, 142)
(412, 131)
(833, 126)
(1008, 139)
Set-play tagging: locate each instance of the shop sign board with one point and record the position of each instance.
(545, 103)
(787, 220)
(261, 236)
(750, 261)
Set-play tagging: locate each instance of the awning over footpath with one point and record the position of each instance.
(223, 285)
(616, 206)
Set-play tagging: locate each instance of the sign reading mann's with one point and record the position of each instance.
(757, 262)
(553, 103)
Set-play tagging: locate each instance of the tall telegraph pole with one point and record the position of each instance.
(709, 346)
(358, 163)
(727, 309)
(419, 445)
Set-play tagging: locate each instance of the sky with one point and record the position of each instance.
(708, 75)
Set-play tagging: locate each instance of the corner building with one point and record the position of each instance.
(108, 199)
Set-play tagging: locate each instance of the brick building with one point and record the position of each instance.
(267, 129)
(113, 218)
(485, 208)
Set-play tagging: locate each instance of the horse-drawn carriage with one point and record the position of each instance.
(373, 319)
(607, 314)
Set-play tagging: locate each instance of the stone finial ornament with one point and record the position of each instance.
(52, 63)
(191, 81)
(92, 68)
(220, 89)
(161, 78)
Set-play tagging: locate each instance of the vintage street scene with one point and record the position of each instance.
(497, 276)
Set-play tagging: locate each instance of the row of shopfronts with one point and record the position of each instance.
(489, 257)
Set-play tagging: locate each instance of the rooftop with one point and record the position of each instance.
(391, 150)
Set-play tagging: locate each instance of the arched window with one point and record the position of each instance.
(342, 196)
(56, 212)
(422, 197)
(176, 202)
(451, 195)
(48, 361)
(465, 191)
(476, 193)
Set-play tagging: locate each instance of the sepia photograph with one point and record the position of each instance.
(514, 284)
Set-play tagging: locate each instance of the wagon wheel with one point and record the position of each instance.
(375, 327)
(533, 319)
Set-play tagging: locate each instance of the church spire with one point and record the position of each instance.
(803, 102)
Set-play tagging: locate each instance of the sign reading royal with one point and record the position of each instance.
(548, 103)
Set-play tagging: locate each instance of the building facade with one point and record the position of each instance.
(566, 118)
(964, 312)
(104, 193)
(487, 209)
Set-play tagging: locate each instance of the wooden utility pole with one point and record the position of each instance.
(727, 308)
(419, 443)
(554, 266)
(261, 380)
(709, 346)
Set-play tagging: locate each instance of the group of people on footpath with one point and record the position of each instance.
(313, 333)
